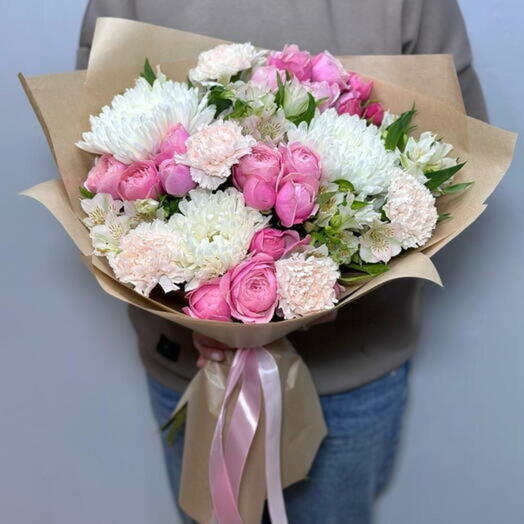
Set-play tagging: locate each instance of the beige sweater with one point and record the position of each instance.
(379, 332)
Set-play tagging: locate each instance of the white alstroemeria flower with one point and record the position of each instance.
(295, 98)
(219, 64)
(357, 219)
(144, 210)
(328, 208)
(106, 237)
(132, 127)
(98, 207)
(426, 154)
(380, 243)
(267, 127)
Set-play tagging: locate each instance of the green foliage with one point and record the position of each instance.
(345, 186)
(437, 178)
(148, 73)
(169, 204)
(456, 188)
(397, 132)
(219, 97)
(444, 216)
(370, 269)
(85, 192)
(281, 91)
(240, 109)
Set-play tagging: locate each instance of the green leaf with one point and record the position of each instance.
(437, 178)
(345, 186)
(370, 269)
(323, 198)
(354, 279)
(188, 82)
(85, 192)
(396, 133)
(357, 204)
(169, 204)
(174, 424)
(457, 187)
(444, 216)
(148, 73)
(281, 92)
(240, 109)
(218, 96)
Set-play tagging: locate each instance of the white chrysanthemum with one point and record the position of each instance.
(380, 243)
(213, 151)
(426, 154)
(411, 208)
(149, 255)
(306, 283)
(134, 125)
(214, 231)
(349, 150)
(224, 61)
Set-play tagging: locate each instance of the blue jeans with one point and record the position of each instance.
(353, 464)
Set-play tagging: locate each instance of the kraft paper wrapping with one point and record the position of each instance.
(63, 103)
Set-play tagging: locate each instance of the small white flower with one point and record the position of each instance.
(349, 149)
(136, 122)
(295, 98)
(144, 210)
(222, 62)
(380, 243)
(266, 127)
(98, 207)
(411, 209)
(106, 237)
(306, 282)
(387, 120)
(356, 219)
(213, 151)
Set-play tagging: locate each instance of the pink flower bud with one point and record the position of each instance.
(105, 176)
(208, 302)
(176, 178)
(140, 180)
(375, 113)
(327, 68)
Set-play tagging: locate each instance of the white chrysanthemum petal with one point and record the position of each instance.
(214, 231)
(134, 125)
(306, 284)
(411, 208)
(349, 149)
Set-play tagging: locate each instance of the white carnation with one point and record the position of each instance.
(149, 255)
(306, 283)
(349, 149)
(136, 122)
(214, 231)
(224, 61)
(411, 209)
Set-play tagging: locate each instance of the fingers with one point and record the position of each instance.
(209, 349)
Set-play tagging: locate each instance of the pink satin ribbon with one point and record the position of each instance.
(257, 371)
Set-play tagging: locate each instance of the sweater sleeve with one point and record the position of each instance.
(95, 9)
(437, 26)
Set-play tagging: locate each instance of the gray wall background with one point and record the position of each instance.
(78, 442)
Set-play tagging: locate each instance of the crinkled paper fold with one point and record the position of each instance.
(63, 103)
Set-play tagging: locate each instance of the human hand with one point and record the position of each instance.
(209, 349)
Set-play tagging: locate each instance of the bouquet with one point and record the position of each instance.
(242, 193)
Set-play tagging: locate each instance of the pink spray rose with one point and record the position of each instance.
(264, 161)
(173, 143)
(250, 289)
(298, 158)
(207, 302)
(259, 194)
(267, 76)
(326, 68)
(176, 178)
(375, 113)
(292, 59)
(140, 180)
(359, 88)
(323, 90)
(275, 242)
(105, 176)
(347, 103)
(296, 199)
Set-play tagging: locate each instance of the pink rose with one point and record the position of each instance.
(259, 194)
(360, 89)
(267, 76)
(292, 59)
(347, 103)
(297, 158)
(321, 90)
(296, 199)
(326, 68)
(173, 143)
(250, 289)
(375, 113)
(140, 180)
(105, 176)
(264, 161)
(275, 242)
(207, 302)
(176, 178)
